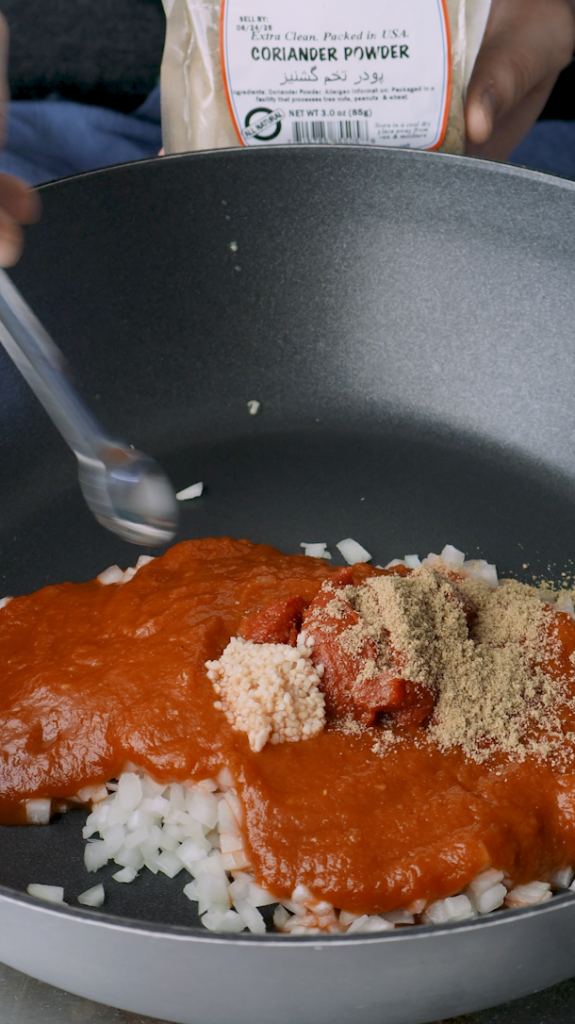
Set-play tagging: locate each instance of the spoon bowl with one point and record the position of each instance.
(130, 495)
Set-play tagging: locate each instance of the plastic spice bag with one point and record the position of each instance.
(262, 72)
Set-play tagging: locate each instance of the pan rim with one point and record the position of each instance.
(255, 153)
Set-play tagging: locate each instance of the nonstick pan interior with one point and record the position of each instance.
(404, 319)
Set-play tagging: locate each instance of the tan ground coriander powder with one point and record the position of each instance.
(482, 652)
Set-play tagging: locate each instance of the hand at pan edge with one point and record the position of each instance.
(19, 204)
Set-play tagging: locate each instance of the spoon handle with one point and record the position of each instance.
(126, 490)
(44, 368)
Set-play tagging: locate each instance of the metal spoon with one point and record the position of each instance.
(127, 491)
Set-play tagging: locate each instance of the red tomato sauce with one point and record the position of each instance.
(95, 677)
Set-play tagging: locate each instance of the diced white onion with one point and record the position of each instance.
(236, 861)
(156, 805)
(225, 779)
(205, 786)
(51, 893)
(258, 897)
(212, 890)
(119, 815)
(436, 913)
(452, 556)
(95, 855)
(227, 921)
(191, 890)
(174, 830)
(129, 790)
(177, 798)
(315, 550)
(347, 918)
(129, 858)
(528, 895)
(136, 838)
(93, 897)
(112, 575)
(490, 899)
(412, 561)
(125, 875)
(193, 491)
(38, 812)
(189, 852)
(144, 560)
(140, 819)
(564, 878)
(479, 569)
(151, 861)
(239, 888)
(204, 808)
(169, 863)
(367, 923)
(459, 908)
(398, 917)
(226, 819)
(230, 844)
(484, 881)
(114, 838)
(280, 917)
(151, 788)
(234, 801)
(454, 908)
(251, 917)
(352, 551)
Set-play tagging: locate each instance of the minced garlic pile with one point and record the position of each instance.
(269, 691)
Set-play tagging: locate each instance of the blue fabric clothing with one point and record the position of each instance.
(549, 146)
(52, 138)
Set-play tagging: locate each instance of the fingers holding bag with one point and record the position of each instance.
(526, 44)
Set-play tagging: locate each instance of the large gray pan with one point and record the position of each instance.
(407, 322)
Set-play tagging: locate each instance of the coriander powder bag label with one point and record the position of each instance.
(261, 73)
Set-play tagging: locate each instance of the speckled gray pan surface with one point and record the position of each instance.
(407, 322)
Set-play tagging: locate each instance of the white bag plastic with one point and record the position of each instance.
(262, 72)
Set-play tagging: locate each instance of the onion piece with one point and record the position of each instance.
(50, 893)
(352, 551)
(193, 491)
(93, 897)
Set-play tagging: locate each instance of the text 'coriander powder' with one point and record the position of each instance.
(395, 73)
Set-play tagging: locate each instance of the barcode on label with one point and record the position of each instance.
(330, 131)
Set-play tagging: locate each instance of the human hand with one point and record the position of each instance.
(526, 45)
(19, 204)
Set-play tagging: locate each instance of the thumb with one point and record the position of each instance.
(480, 112)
